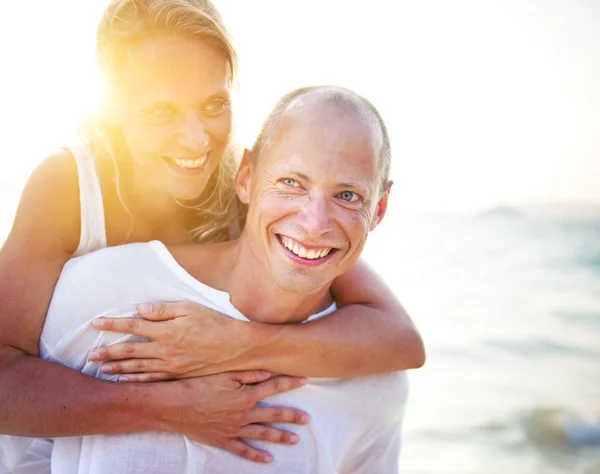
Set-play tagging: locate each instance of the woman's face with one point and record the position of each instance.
(173, 107)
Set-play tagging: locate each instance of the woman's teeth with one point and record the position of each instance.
(189, 164)
(303, 252)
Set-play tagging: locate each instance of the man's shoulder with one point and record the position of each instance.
(373, 398)
(132, 249)
(121, 256)
(209, 263)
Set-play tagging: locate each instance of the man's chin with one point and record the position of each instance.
(300, 284)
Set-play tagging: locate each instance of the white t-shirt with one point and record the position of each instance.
(355, 425)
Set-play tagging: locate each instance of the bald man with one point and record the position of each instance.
(316, 183)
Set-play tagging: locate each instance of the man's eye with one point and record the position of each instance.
(348, 196)
(290, 182)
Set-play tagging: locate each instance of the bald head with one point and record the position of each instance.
(311, 102)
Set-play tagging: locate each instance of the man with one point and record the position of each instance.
(316, 182)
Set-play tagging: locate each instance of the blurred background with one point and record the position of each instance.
(492, 238)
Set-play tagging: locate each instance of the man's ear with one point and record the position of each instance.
(381, 207)
(243, 178)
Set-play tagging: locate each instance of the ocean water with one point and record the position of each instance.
(509, 306)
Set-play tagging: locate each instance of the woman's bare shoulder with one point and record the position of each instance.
(44, 235)
(48, 213)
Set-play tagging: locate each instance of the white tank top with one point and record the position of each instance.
(93, 228)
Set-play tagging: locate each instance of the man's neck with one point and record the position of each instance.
(257, 297)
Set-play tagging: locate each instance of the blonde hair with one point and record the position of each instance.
(127, 23)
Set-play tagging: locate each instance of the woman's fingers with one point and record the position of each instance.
(165, 311)
(135, 326)
(150, 313)
(125, 350)
(250, 376)
(281, 383)
(135, 366)
(244, 450)
(278, 415)
(146, 378)
(268, 433)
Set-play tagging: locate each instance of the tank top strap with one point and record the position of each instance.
(93, 226)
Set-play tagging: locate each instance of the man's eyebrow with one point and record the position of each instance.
(301, 176)
(351, 184)
(361, 186)
(297, 174)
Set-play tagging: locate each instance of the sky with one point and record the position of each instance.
(488, 103)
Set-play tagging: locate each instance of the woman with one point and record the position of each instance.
(157, 166)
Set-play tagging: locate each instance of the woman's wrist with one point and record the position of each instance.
(260, 347)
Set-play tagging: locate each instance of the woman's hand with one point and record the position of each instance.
(185, 340)
(223, 410)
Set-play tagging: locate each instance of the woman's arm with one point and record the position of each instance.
(370, 333)
(40, 398)
(45, 233)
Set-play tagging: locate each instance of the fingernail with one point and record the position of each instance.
(107, 369)
(123, 378)
(305, 419)
(93, 355)
(145, 308)
(268, 458)
(294, 439)
(98, 323)
(302, 382)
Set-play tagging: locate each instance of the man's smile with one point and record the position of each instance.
(303, 252)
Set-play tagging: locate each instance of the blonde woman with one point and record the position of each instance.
(157, 166)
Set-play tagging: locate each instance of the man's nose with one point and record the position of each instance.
(192, 135)
(317, 216)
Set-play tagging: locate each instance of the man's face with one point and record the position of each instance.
(313, 196)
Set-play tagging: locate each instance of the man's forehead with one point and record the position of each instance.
(325, 124)
(332, 149)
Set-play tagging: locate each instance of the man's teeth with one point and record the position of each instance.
(302, 252)
(189, 164)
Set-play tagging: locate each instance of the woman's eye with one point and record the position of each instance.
(216, 106)
(348, 196)
(158, 115)
(162, 112)
(290, 182)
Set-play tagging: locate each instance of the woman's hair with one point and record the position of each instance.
(127, 23)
